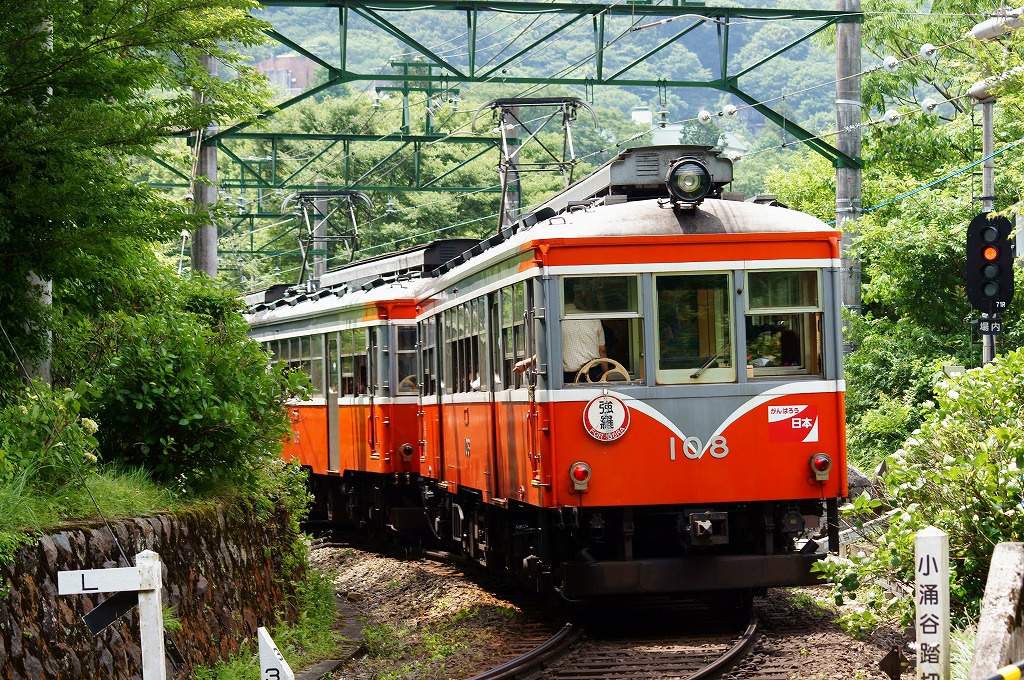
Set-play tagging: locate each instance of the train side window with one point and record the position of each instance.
(273, 348)
(693, 317)
(313, 361)
(444, 352)
(333, 363)
(428, 355)
(406, 355)
(347, 364)
(306, 357)
(513, 333)
(614, 302)
(378, 374)
(360, 361)
(456, 382)
(450, 342)
(783, 322)
(294, 356)
(478, 378)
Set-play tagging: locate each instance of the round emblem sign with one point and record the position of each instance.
(606, 418)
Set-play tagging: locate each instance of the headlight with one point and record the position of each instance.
(689, 180)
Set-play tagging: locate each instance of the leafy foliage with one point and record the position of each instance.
(960, 471)
(49, 467)
(84, 89)
(43, 436)
(189, 398)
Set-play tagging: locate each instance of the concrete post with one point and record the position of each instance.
(204, 238)
(1000, 639)
(848, 180)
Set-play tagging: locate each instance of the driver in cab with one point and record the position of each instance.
(582, 342)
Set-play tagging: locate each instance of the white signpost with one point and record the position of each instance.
(931, 568)
(145, 579)
(272, 663)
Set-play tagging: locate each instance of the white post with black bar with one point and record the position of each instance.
(142, 584)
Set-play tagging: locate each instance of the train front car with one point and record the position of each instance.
(689, 391)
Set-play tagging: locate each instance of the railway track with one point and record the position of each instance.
(626, 652)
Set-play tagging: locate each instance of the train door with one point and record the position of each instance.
(490, 365)
(453, 384)
(513, 414)
(332, 366)
(404, 427)
(535, 428)
(429, 414)
(376, 350)
(361, 413)
(472, 442)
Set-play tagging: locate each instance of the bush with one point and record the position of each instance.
(43, 440)
(189, 397)
(49, 470)
(893, 369)
(960, 472)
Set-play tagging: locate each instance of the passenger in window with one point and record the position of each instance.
(582, 341)
(789, 347)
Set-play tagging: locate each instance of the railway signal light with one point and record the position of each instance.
(989, 263)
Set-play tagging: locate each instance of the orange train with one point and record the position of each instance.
(701, 449)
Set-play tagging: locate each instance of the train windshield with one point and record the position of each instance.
(694, 339)
(602, 330)
(783, 322)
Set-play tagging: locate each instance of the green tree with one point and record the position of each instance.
(85, 88)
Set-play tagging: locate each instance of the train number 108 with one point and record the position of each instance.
(693, 448)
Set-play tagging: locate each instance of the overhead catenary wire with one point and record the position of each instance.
(397, 162)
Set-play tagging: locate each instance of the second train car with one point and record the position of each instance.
(636, 389)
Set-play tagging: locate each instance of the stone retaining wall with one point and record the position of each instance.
(223, 577)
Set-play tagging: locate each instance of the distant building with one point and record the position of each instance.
(291, 72)
(642, 115)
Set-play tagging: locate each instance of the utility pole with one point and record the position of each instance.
(979, 92)
(848, 179)
(319, 233)
(204, 194)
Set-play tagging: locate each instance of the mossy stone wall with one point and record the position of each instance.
(226, 572)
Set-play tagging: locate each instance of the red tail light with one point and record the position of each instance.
(580, 475)
(821, 465)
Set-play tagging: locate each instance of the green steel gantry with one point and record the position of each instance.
(612, 60)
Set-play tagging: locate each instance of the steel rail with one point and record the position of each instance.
(735, 653)
(557, 645)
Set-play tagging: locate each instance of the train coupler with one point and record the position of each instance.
(707, 528)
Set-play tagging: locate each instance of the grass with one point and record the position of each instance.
(310, 640)
(25, 510)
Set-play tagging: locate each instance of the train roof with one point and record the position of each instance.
(654, 217)
(614, 201)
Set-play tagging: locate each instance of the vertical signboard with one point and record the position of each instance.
(931, 566)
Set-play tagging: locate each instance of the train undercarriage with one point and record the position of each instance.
(586, 552)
